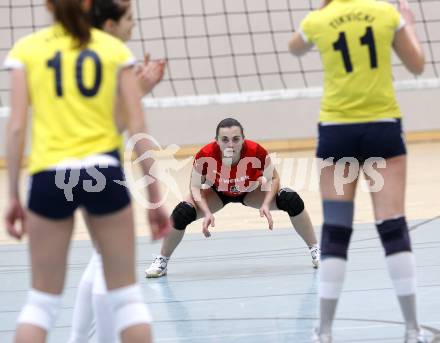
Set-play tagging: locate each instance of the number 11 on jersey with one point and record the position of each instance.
(367, 39)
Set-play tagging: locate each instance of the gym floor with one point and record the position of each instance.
(247, 284)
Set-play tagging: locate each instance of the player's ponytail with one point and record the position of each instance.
(74, 18)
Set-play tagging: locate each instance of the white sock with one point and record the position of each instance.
(102, 308)
(331, 277)
(82, 311)
(402, 270)
(331, 280)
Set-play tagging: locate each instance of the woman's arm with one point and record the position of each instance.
(274, 185)
(131, 97)
(406, 43)
(15, 141)
(297, 45)
(199, 193)
(16, 132)
(148, 75)
(271, 189)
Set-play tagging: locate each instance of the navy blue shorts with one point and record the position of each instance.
(51, 196)
(361, 141)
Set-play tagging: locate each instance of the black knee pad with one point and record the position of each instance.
(288, 200)
(183, 214)
(394, 236)
(335, 241)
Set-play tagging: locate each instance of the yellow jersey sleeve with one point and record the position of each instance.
(124, 57)
(395, 17)
(308, 28)
(18, 56)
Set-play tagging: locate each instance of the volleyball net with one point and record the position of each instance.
(226, 51)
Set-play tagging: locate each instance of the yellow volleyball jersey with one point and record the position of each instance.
(354, 38)
(72, 93)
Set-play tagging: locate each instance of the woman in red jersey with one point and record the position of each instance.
(233, 169)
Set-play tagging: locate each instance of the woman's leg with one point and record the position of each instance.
(173, 239)
(299, 217)
(83, 315)
(389, 211)
(102, 308)
(389, 200)
(300, 221)
(114, 236)
(337, 191)
(183, 214)
(92, 312)
(49, 243)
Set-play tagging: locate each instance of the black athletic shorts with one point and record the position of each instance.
(226, 199)
(56, 194)
(361, 141)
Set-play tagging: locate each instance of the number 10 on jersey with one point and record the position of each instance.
(55, 63)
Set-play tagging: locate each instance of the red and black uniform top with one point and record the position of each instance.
(236, 179)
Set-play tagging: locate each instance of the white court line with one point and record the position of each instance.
(270, 333)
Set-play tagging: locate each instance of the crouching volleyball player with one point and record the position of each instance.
(233, 169)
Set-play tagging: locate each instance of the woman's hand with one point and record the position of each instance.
(149, 73)
(160, 224)
(13, 214)
(406, 12)
(209, 220)
(265, 212)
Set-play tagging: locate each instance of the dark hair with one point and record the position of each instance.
(103, 10)
(228, 122)
(73, 18)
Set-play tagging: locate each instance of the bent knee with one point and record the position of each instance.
(289, 201)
